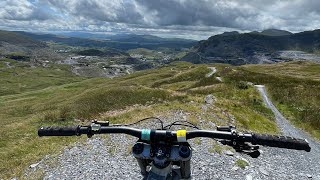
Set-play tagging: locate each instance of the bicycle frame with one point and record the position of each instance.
(165, 154)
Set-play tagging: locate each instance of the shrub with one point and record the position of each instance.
(242, 163)
(65, 113)
(242, 85)
(94, 102)
(195, 74)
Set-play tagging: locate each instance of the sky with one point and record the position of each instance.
(192, 19)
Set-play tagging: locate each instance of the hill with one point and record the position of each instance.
(17, 39)
(124, 37)
(252, 47)
(108, 53)
(20, 47)
(156, 92)
(123, 42)
(273, 32)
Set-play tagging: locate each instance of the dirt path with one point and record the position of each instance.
(309, 162)
(286, 127)
(213, 70)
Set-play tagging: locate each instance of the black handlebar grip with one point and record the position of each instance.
(281, 142)
(58, 131)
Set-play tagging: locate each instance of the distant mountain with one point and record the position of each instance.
(230, 33)
(120, 41)
(244, 48)
(273, 32)
(124, 37)
(147, 39)
(18, 39)
(85, 35)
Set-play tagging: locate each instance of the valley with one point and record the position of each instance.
(55, 81)
(149, 89)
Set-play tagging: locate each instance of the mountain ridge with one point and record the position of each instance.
(244, 48)
(273, 32)
(17, 39)
(123, 42)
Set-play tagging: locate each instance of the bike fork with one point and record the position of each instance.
(170, 172)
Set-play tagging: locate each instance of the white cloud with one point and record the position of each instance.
(187, 18)
(21, 10)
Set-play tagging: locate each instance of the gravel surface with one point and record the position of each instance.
(108, 157)
(290, 162)
(298, 55)
(213, 70)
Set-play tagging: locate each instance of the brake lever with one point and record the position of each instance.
(243, 147)
(226, 128)
(102, 123)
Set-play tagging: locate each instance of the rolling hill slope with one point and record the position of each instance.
(19, 39)
(178, 86)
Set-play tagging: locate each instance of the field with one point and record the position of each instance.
(47, 96)
(20, 77)
(178, 86)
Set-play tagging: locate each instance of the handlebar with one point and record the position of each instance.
(153, 135)
(281, 142)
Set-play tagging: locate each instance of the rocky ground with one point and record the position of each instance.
(108, 157)
(298, 55)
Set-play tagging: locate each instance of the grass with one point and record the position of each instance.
(296, 69)
(21, 78)
(216, 148)
(194, 74)
(147, 53)
(293, 86)
(245, 105)
(94, 102)
(157, 92)
(21, 114)
(241, 163)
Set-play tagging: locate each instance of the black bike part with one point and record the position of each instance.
(138, 148)
(102, 123)
(79, 130)
(281, 142)
(58, 131)
(184, 151)
(120, 130)
(166, 135)
(225, 128)
(254, 154)
(219, 135)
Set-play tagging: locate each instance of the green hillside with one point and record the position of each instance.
(179, 86)
(107, 52)
(19, 39)
(155, 92)
(20, 77)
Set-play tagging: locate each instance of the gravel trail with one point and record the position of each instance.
(286, 127)
(308, 163)
(213, 70)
